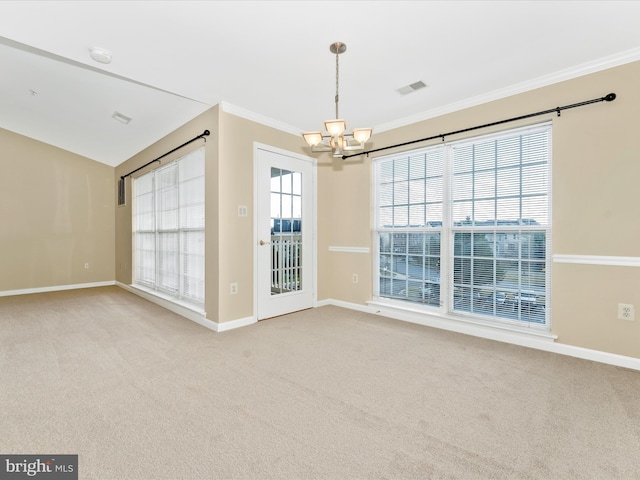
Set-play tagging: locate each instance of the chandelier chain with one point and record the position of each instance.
(337, 83)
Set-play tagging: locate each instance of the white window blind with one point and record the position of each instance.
(168, 229)
(410, 214)
(484, 204)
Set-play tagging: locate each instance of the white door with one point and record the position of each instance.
(284, 230)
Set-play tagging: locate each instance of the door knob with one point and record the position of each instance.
(262, 242)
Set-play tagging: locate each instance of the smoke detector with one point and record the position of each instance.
(100, 55)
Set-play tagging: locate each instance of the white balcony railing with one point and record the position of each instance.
(286, 263)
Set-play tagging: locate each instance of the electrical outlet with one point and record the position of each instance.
(626, 311)
(242, 210)
(355, 278)
(86, 266)
(234, 288)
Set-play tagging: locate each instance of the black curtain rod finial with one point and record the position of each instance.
(202, 135)
(610, 98)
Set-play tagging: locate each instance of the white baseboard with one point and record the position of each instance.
(198, 317)
(233, 324)
(188, 313)
(56, 288)
(596, 356)
(349, 305)
(539, 342)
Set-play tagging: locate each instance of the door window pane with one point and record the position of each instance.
(286, 231)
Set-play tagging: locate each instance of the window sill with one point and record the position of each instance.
(168, 298)
(526, 336)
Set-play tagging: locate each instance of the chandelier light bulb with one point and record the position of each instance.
(313, 138)
(335, 127)
(361, 134)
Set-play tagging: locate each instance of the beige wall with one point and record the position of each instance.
(237, 139)
(596, 170)
(56, 214)
(58, 210)
(344, 220)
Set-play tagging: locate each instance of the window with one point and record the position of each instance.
(286, 231)
(168, 229)
(463, 227)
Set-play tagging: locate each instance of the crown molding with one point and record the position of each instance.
(605, 63)
(262, 119)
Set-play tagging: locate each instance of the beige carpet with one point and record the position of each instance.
(140, 393)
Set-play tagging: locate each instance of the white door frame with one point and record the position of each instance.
(313, 224)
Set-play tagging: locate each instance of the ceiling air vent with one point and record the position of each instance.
(412, 87)
(120, 117)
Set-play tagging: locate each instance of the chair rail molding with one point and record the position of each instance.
(612, 261)
(349, 249)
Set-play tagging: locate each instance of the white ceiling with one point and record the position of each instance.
(270, 61)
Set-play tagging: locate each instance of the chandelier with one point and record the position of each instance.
(339, 140)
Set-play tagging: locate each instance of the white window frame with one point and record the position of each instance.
(446, 308)
(154, 285)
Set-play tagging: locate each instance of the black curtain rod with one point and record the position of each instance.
(607, 98)
(202, 135)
